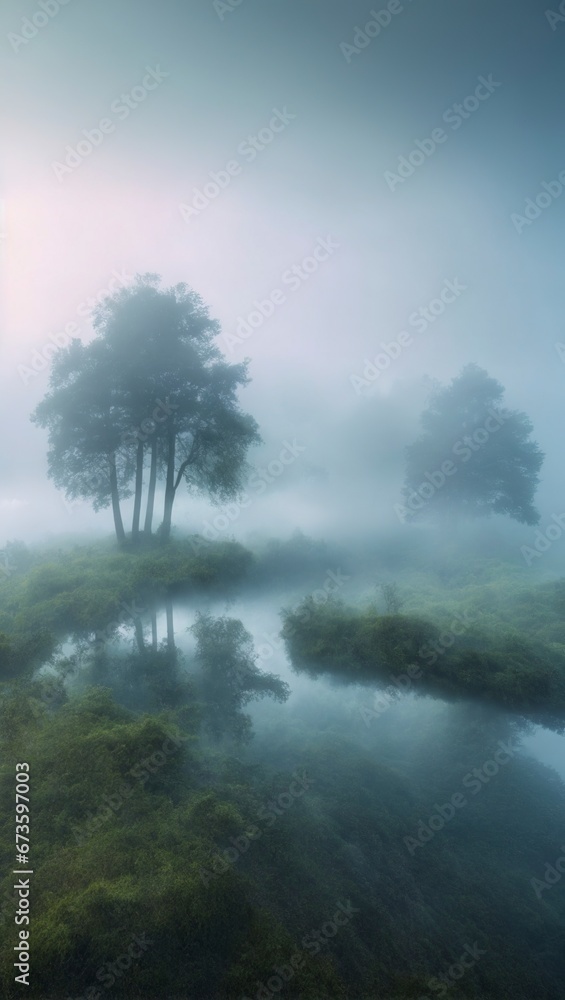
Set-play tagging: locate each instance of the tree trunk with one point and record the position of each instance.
(151, 491)
(118, 522)
(154, 629)
(139, 635)
(169, 486)
(138, 491)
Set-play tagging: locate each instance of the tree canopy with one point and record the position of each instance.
(474, 457)
(149, 401)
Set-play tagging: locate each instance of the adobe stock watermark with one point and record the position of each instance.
(382, 701)
(111, 804)
(98, 479)
(133, 611)
(318, 597)
(464, 449)
(475, 780)
(268, 815)
(223, 7)
(313, 943)
(455, 115)
(555, 17)
(363, 37)
(49, 696)
(442, 982)
(272, 642)
(109, 972)
(553, 874)
(544, 539)
(535, 206)
(259, 481)
(402, 683)
(31, 26)
(148, 426)
(420, 319)
(121, 108)
(41, 357)
(248, 150)
(8, 906)
(293, 278)
(437, 647)
(94, 483)
(560, 348)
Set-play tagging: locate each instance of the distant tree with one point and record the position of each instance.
(474, 457)
(150, 388)
(229, 676)
(15, 557)
(393, 601)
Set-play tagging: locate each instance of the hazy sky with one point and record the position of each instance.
(181, 90)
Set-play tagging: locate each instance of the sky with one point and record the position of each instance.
(168, 101)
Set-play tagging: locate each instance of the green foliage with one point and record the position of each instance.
(114, 864)
(152, 385)
(128, 838)
(501, 664)
(111, 865)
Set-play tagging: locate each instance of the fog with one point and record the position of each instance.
(322, 176)
(365, 215)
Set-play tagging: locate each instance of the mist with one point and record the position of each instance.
(281, 363)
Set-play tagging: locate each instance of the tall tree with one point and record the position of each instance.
(153, 386)
(180, 392)
(474, 457)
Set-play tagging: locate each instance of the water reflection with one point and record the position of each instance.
(149, 661)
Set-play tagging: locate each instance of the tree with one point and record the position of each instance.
(151, 387)
(181, 394)
(474, 456)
